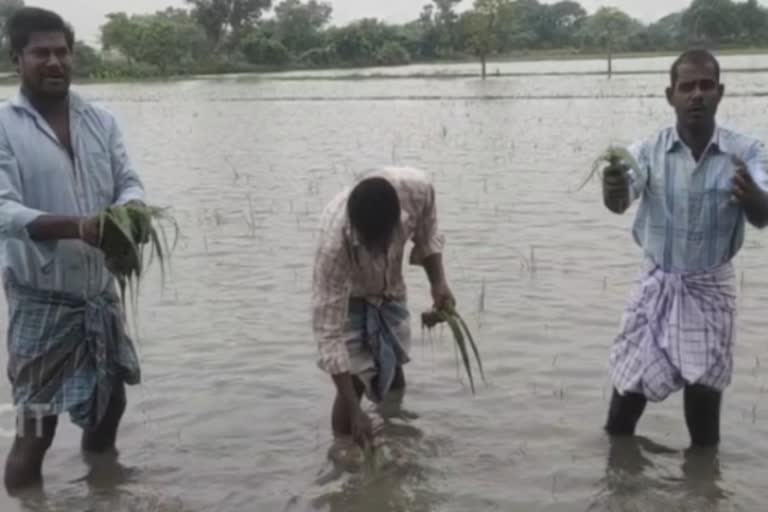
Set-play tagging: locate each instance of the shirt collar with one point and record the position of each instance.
(20, 101)
(718, 141)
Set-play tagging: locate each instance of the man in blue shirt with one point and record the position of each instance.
(697, 184)
(62, 160)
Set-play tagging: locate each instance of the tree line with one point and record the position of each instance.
(211, 36)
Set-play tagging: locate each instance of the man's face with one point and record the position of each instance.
(696, 95)
(45, 65)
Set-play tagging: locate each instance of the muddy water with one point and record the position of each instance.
(233, 414)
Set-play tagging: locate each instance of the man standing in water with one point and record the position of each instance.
(360, 315)
(62, 160)
(697, 182)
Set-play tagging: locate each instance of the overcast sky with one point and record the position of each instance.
(88, 15)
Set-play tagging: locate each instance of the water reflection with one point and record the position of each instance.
(107, 486)
(398, 479)
(702, 476)
(637, 478)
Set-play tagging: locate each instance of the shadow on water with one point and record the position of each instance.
(638, 479)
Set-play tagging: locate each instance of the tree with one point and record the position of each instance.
(88, 62)
(298, 25)
(117, 34)
(169, 40)
(711, 20)
(227, 18)
(7, 8)
(446, 12)
(445, 20)
(392, 53)
(560, 22)
(480, 27)
(753, 20)
(426, 33)
(263, 50)
(366, 42)
(665, 34)
(610, 29)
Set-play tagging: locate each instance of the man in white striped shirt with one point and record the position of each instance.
(698, 184)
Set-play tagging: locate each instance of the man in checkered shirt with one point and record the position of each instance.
(697, 184)
(359, 304)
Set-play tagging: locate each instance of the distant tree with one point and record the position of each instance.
(169, 40)
(753, 21)
(480, 25)
(227, 18)
(560, 22)
(611, 30)
(298, 25)
(445, 23)
(712, 21)
(263, 50)
(7, 8)
(88, 62)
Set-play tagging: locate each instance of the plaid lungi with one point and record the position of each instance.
(378, 339)
(66, 352)
(677, 330)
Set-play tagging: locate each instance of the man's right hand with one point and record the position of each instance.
(362, 428)
(616, 189)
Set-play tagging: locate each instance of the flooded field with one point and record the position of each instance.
(234, 415)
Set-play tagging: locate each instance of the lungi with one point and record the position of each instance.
(676, 330)
(66, 352)
(378, 340)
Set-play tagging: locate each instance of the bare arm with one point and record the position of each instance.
(51, 227)
(433, 265)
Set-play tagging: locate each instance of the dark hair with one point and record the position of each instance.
(27, 20)
(696, 56)
(374, 209)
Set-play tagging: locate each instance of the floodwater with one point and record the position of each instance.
(233, 414)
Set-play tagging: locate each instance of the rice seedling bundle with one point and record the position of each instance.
(618, 161)
(461, 335)
(126, 233)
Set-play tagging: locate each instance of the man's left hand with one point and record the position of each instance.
(745, 190)
(443, 296)
(747, 194)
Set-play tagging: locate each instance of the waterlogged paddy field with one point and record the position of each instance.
(233, 414)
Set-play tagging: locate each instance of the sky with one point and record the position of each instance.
(87, 16)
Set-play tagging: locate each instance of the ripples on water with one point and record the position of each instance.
(233, 415)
